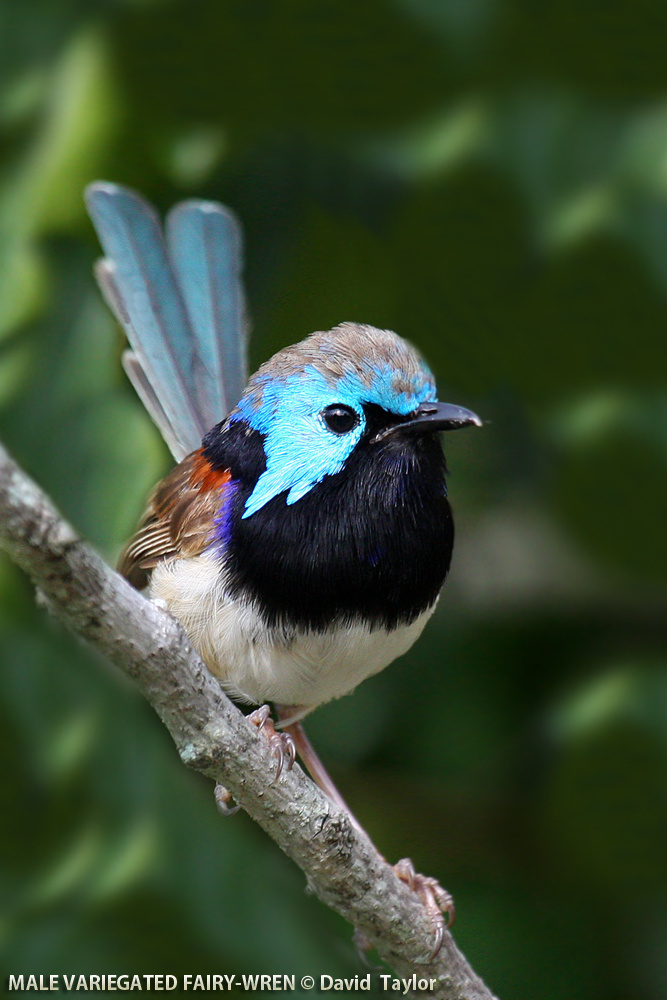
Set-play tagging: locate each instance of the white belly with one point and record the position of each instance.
(258, 664)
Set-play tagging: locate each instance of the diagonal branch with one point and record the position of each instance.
(340, 863)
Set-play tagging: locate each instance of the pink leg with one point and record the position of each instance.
(436, 900)
(316, 768)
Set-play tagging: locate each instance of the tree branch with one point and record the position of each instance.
(340, 863)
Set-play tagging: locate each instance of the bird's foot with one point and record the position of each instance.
(363, 945)
(281, 744)
(222, 799)
(437, 901)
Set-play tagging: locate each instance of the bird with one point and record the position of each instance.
(305, 533)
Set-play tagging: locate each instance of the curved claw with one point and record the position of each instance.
(436, 900)
(363, 946)
(222, 800)
(281, 744)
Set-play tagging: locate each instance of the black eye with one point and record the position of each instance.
(340, 418)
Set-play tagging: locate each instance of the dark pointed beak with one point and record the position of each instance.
(440, 417)
(434, 417)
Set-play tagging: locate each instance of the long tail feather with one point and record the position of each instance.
(146, 394)
(181, 305)
(205, 247)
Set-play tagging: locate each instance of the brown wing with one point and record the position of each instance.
(179, 520)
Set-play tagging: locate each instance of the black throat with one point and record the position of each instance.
(371, 543)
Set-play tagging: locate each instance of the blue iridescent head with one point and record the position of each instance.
(310, 403)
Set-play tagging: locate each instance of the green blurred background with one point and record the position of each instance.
(489, 178)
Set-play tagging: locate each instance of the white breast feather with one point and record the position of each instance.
(257, 664)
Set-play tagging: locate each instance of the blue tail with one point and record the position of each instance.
(181, 303)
